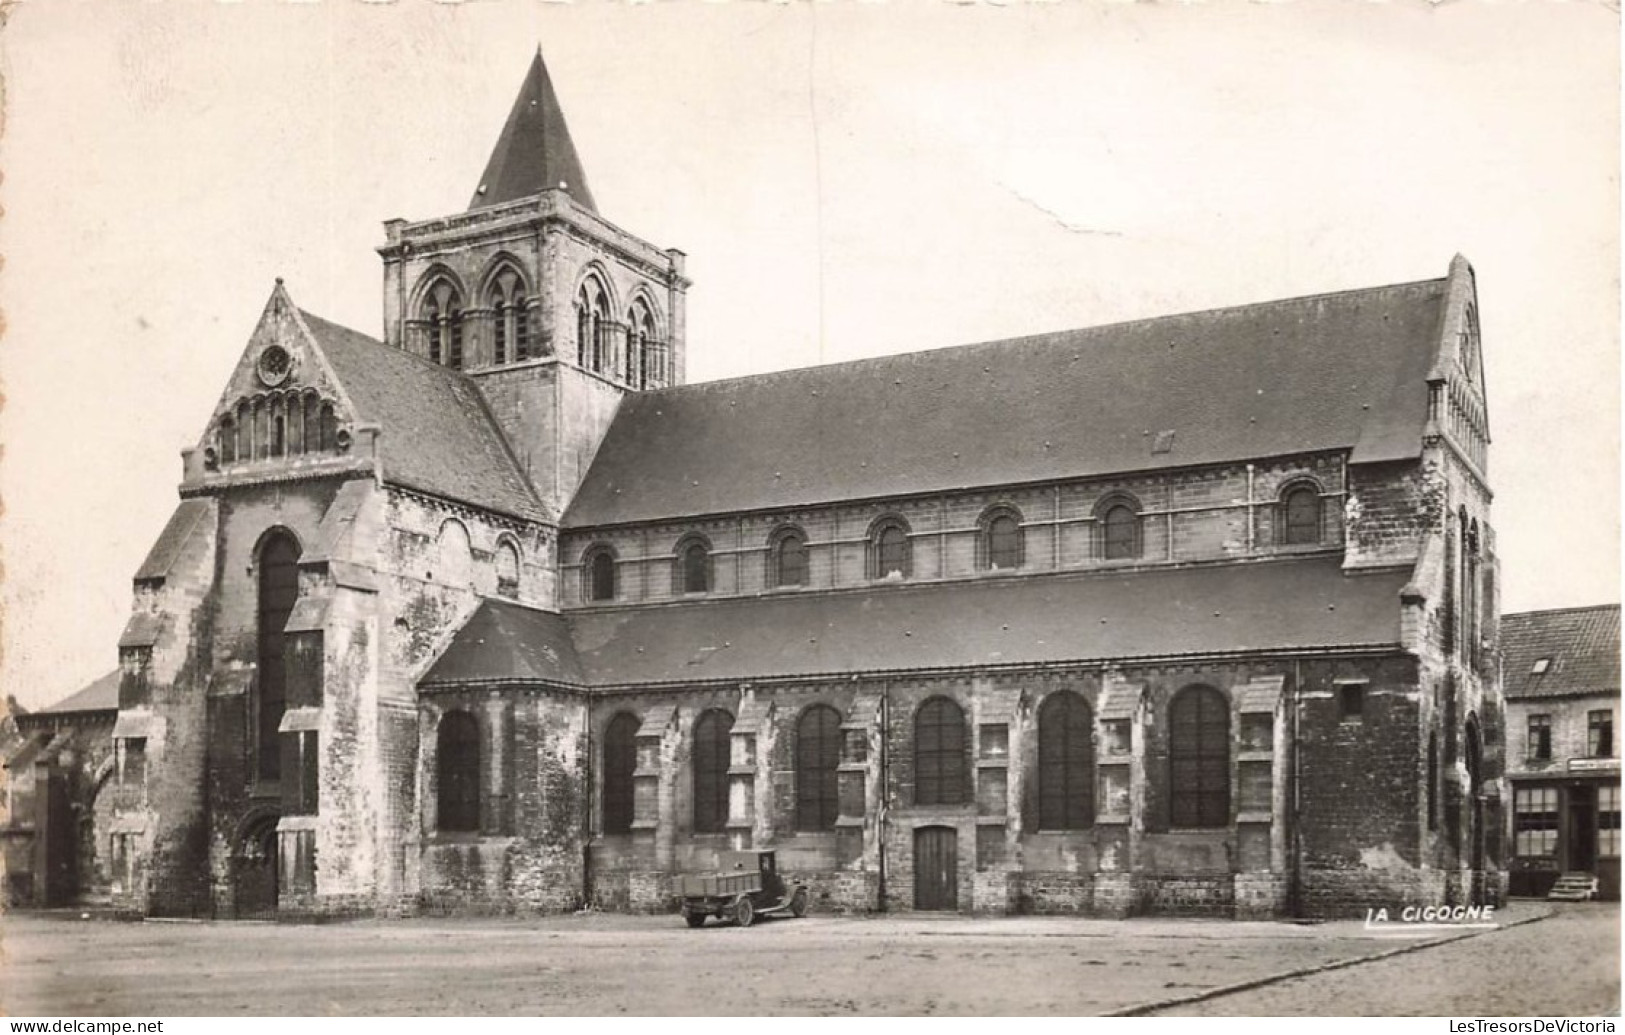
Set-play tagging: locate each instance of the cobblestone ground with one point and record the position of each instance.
(1564, 966)
(597, 964)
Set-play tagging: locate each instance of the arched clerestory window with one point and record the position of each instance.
(510, 317)
(507, 566)
(278, 591)
(711, 771)
(940, 758)
(442, 317)
(454, 556)
(1199, 758)
(1066, 763)
(818, 758)
(620, 762)
(599, 574)
(1117, 522)
(1300, 515)
(1000, 546)
(457, 768)
(787, 558)
(890, 553)
(693, 570)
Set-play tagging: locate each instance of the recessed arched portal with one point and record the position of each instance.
(254, 868)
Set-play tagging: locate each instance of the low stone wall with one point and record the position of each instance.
(494, 876)
(1055, 894)
(1206, 896)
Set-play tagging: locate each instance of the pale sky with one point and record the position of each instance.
(847, 180)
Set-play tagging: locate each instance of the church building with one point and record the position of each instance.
(1192, 615)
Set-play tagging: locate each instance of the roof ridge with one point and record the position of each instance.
(1559, 610)
(1039, 336)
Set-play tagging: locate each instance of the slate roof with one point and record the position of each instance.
(505, 641)
(1339, 371)
(188, 514)
(1582, 644)
(101, 695)
(438, 435)
(534, 152)
(1199, 610)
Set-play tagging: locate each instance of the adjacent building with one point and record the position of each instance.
(60, 793)
(1561, 674)
(1192, 615)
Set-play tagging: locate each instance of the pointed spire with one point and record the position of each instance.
(535, 152)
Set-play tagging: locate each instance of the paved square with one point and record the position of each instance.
(601, 964)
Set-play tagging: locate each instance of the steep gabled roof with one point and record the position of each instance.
(1340, 371)
(188, 515)
(437, 434)
(1579, 644)
(534, 152)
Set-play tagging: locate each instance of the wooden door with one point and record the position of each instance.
(936, 868)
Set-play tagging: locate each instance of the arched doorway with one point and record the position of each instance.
(254, 868)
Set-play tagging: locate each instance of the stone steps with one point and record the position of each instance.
(1573, 887)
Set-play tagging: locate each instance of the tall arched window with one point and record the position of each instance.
(279, 427)
(1199, 758)
(711, 771)
(620, 761)
(939, 753)
(693, 566)
(454, 557)
(640, 335)
(296, 424)
(1119, 524)
(507, 565)
(818, 757)
(1000, 548)
(443, 323)
(329, 428)
(457, 766)
(228, 440)
(890, 555)
(600, 573)
(787, 561)
(1470, 599)
(278, 590)
(1433, 780)
(262, 434)
(1464, 578)
(593, 345)
(1066, 763)
(1300, 515)
(510, 330)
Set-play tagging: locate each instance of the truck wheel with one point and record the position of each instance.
(744, 915)
(695, 919)
(798, 903)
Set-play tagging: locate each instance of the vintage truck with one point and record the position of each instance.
(744, 886)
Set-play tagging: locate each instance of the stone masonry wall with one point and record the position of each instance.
(1190, 515)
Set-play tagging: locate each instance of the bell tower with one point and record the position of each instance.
(555, 312)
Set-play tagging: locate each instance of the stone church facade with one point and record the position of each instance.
(1190, 615)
